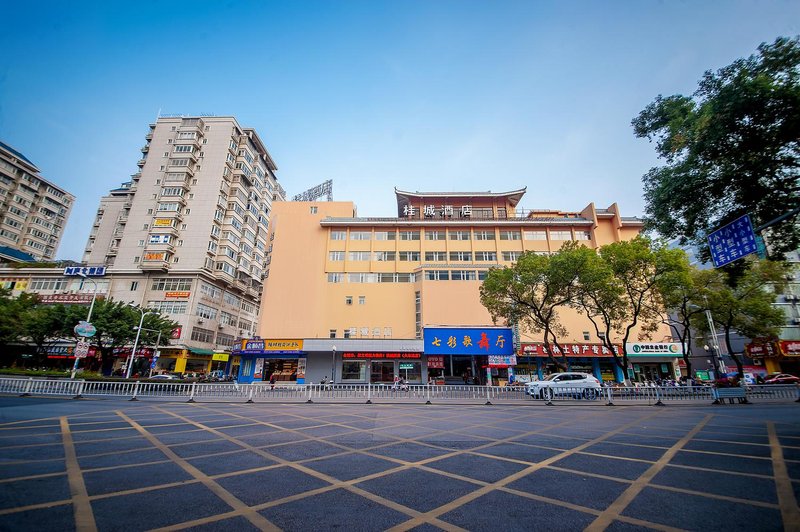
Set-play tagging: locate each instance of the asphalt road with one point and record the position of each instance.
(119, 465)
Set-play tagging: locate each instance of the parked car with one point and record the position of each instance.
(781, 378)
(565, 384)
(164, 376)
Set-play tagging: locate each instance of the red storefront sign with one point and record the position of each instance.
(570, 350)
(381, 355)
(435, 362)
(790, 348)
(760, 350)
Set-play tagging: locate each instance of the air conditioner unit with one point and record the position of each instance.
(200, 320)
(220, 326)
(796, 321)
(790, 297)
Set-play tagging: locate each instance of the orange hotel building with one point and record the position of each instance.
(364, 299)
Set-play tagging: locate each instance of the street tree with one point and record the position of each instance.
(532, 292)
(685, 299)
(731, 148)
(12, 309)
(43, 325)
(747, 308)
(623, 293)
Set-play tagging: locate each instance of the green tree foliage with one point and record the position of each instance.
(747, 308)
(732, 148)
(685, 299)
(43, 325)
(622, 292)
(116, 324)
(532, 291)
(12, 310)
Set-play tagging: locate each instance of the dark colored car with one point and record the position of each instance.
(781, 378)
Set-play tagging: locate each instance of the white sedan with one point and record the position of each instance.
(565, 384)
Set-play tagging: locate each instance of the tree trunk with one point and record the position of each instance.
(736, 359)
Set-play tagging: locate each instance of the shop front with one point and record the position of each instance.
(790, 356)
(465, 353)
(653, 362)
(535, 362)
(768, 352)
(264, 359)
(360, 367)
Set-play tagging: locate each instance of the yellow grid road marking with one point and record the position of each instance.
(82, 508)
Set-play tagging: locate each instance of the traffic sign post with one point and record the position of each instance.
(733, 241)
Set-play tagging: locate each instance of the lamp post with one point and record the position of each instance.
(155, 349)
(88, 317)
(135, 342)
(333, 363)
(714, 344)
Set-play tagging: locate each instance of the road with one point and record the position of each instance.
(118, 465)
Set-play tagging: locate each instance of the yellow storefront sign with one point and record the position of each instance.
(222, 357)
(163, 222)
(283, 345)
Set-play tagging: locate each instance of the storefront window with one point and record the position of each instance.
(354, 370)
(411, 371)
(283, 370)
(382, 371)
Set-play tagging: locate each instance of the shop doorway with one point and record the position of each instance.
(411, 372)
(381, 371)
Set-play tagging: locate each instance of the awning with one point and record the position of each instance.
(198, 351)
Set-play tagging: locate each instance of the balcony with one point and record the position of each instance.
(140, 162)
(162, 266)
(145, 148)
(149, 136)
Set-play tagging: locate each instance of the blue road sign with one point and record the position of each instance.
(733, 241)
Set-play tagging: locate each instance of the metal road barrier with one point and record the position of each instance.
(377, 393)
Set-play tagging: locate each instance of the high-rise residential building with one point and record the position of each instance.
(364, 299)
(187, 235)
(33, 210)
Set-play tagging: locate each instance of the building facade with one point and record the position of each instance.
(187, 235)
(365, 299)
(33, 210)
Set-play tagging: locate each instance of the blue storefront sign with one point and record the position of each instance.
(733, 241)
(88, 271)
(468, 341)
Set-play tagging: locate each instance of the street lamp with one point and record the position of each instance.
(714, 344)
(135, 342)
(158, 341)
(333, 363)
(88, 317)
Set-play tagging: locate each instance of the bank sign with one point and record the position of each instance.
(654, 349)
(259, 345)
(468, 341)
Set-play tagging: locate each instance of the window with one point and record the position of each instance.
(586, 335)
(202, 335)
(354, 370)
(183, 148)
(359, 255)
(387, 332)
(511, 256)
(460, 256)
(134, 286)
(482, 275)
(459, 235)
(348, 300)
(313, 209)
(409, 235)
(338, 235)
(362, 300)
(141, 243)
(332, 333)
(385, 235)
(176, 283)
(232, 299)
(48, 284)
(204, 311)
(210, 291)
(168, 307)
(561, 235)
(335, 277)
(409, 256)
(437, 275)
(435, 256)
(384, 256)
(362, 277)
(360, 235)
(535, 235)
(484, 235)
(434, 235)
(336, 256)
(583, 235)
(482, 256)
(225, 340)
(510, 235)
(463, 275)
(347, 333)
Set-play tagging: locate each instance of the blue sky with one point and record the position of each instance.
(422, 95)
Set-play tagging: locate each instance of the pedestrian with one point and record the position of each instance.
(396, 384)
(272, 381)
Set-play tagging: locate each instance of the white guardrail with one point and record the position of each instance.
(369, 393)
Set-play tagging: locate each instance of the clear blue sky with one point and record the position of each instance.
(422, 95)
